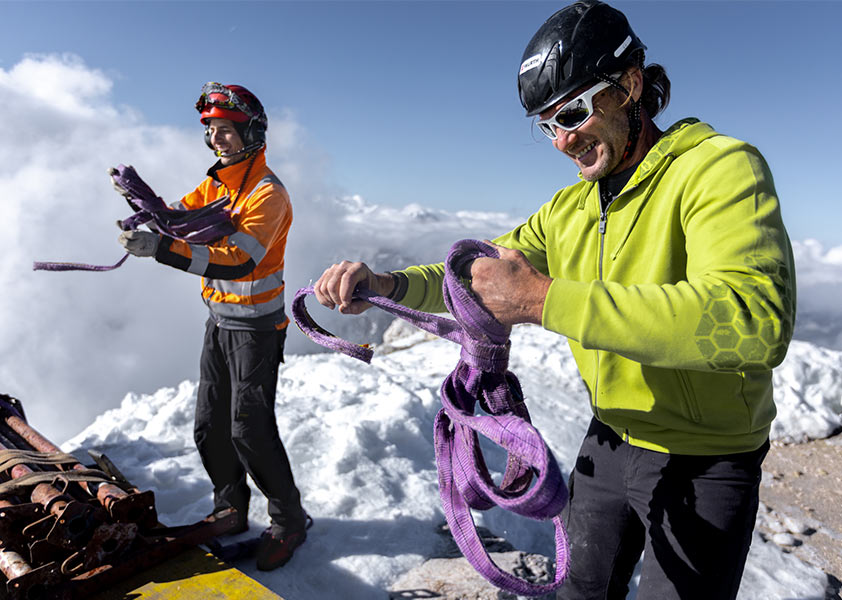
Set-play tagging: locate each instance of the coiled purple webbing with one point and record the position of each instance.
(481, 375)
(199, 226)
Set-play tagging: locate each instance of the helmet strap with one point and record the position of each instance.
(635, 126)
(243, 182)
(633, 112)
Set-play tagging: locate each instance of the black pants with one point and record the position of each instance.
(235, 428)
(692, 516)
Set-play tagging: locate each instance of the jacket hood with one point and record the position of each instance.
(678, 139)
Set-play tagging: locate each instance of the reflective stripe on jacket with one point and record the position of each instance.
(677, 302)
(242, 274)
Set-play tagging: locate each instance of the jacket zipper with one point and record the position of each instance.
(603, 222)
(603, 225)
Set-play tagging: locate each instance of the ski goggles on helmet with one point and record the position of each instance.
(216, 94)
(574, 113)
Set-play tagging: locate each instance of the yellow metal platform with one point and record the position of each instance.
(190, 575)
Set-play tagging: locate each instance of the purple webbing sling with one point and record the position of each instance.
(480, 376)
(200, 226)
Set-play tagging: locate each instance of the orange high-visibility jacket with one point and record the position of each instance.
(242, 274)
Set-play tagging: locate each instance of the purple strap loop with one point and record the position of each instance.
(532, 485)
(477, 322)
(203, 225)
(72, 266)
(197, 226)
(493, 358)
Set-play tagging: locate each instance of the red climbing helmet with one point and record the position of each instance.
(236, 103)
(232, 102)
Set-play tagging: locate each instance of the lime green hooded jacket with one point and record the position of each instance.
(677, 302)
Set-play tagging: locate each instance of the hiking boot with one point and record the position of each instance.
(275, 550)
(240, 525)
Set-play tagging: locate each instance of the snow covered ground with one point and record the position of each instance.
(359, 436)
(360, 441)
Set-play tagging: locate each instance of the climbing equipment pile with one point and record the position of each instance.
(199, 226)
(69, 531)
(481, 376)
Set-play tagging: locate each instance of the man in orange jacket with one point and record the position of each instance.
(242, 285)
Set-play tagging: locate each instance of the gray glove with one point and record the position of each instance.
(140, 243)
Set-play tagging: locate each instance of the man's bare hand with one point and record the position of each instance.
(510, 287)
(336, 286)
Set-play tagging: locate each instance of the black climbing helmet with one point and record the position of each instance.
(585, 41)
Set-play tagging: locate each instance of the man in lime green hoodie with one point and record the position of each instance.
(669, 270)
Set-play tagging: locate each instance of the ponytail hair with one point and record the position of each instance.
(656, 89)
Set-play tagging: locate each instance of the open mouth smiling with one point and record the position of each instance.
(584, 151)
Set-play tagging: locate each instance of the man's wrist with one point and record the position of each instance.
(543, 289)
(400, 283)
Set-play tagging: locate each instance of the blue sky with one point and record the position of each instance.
(416, 102)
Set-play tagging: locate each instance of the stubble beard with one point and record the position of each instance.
(613, 143)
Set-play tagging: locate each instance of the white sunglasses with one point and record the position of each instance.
(573, 114)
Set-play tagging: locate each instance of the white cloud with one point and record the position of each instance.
(62, 83)
(819, 277)
(73, 344)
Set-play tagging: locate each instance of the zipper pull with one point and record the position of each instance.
(603, 220)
